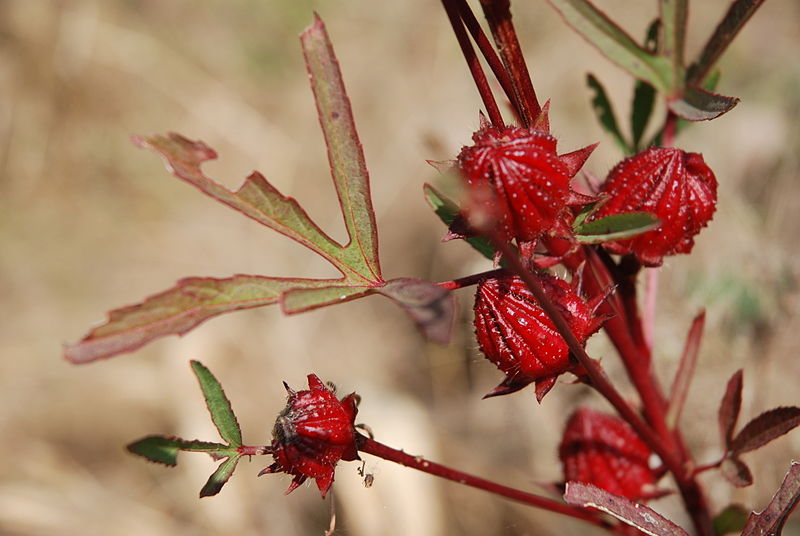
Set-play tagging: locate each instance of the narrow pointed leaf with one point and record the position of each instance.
(736, 472)
(616, 227)
(594, 26)
(605, 113)
(345, 154)
(731, 519)
(218, 405)
(643, 103)
(674, 14)
(256, 198)
(737, 16)
(164, 450)
(697, 104)
(771, 520)
(636, 515)
(178, 310)
(686, 368)
(304, 299)
(219, 477)
(448, 210)
(429, 305)
(729, 407)
(764, 428)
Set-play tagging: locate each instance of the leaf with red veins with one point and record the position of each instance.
(180, 309)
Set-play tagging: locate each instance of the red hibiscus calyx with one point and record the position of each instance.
(675, 186)
(313, 432)
(517, 180)
(515, 333)
(605, 451)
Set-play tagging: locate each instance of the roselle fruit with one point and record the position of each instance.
(516, 178)
(605, 451)
(313, 432)
(676, 186)
(515, 333)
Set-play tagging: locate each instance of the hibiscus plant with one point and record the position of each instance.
(564, 249)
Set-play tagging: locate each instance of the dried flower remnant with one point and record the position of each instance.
(515, 333)
(516, 177)
(312, 434)
(676, 186)
(605, 451)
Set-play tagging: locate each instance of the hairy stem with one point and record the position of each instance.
(471, 279)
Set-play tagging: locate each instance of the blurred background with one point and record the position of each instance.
(89, 223)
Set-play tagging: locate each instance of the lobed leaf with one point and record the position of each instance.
(698, 104)
(729, 408)
(594, 26)
(218, 405)
(299, 300)
(615, 227)
(220, 477)
(429, 305)
(764, 428)
(770, 521)
(674, 14)
(178, 310)
(345, 154)
(164, 450)
(448, 211)
(686, 368)
(644, 96)
(636, 515)
(736, 472)
(605, 113)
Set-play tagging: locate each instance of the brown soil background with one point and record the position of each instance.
(89, 223)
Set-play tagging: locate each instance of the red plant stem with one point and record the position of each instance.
(471, 279)
(498, 15)
(665, 445)
(246, 450)
(474, 64)
(489, 54)
(370, 446)
(670, 128)
(650, 300)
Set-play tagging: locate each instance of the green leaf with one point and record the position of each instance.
(218, 405)
(346, 157)
(605, 113)
(432, 307)
(737, 16)
(697, 104)
(164, 450)
(614, 43)
(674, 14)
(448, 210)
(644, 96)
(219, 477)
(180, 309)
(616, 227)
(304, 299)
(731, 519)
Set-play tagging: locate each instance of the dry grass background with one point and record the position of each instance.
(88, 223)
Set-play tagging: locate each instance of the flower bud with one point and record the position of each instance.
(516, 178)
(605, 451)
(677, 187)
(312, 434)
(515, 333)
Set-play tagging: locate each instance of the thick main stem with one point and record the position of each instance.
(660, 440)
(370, 446)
